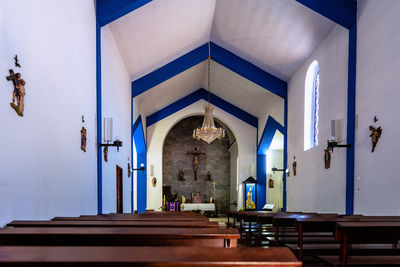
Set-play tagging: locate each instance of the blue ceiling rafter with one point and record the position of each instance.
(343, 12)
(169, 70)
(271, 126)
(110, 10)
(219, 55)
(248, 70)
(201, 94)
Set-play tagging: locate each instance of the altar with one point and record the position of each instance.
(198, 206)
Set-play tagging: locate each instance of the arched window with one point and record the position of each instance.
(311, 106)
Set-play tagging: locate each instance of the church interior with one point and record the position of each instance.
(256, 132)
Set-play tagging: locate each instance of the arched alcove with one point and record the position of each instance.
(216, 160)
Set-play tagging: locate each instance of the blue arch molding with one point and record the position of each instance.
(140, 144)
(219, 55)
(343, 12)
(196, 96)
(110, 10)
(271, 126)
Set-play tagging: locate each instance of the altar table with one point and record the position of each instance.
(198, 206)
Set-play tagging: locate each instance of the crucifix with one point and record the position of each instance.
(195, 155)
(19, 92)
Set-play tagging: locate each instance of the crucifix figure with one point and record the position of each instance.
(195, 155)
(19, 92)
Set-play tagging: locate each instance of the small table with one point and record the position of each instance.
(198, 206)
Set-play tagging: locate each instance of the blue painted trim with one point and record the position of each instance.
(343, 12)
(98, 115)
(110, 10)
(285, 147)
(169, 70)
(261, 180)
(271, 126)
(141, 151)
(248, 70)
(219, 55)
(131, 161)
(351, 118)
(196, 96)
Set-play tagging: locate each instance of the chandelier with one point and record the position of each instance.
(208, 132)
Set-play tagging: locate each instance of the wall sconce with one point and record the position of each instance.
(275, 169)
(107, 134)
(142, 168)
(332, 144)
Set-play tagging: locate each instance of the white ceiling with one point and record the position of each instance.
(160, 32)
(276, 35)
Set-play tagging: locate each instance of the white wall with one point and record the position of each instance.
(116, 104)
(274, 108)
(314, 188)
(378, 83)
(43, 171)
(245, 137)
(274, 195)
(233, 150)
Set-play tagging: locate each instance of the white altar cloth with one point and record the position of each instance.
(198, 206)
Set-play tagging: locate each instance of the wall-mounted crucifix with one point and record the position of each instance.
(195, 154)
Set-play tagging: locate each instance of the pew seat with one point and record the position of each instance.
(146, 256)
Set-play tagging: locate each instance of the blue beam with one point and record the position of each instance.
(261, 180)
(285, 147)
(110, 10)
(343, 12)
(169, 70)
(219, 55)
(99, 115)
(351, 119)
(271, 126)
(248, 70)
(141, 151)
(196, 96)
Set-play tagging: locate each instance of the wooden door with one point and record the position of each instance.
(119, 190)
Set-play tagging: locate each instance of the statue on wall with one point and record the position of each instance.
(270, 182)
(18, 93)
(327, 158)
(294, 166)
(195, 155)
(83, 138)
(375, 135)
(181, 176)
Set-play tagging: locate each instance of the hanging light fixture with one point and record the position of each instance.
(208, 132)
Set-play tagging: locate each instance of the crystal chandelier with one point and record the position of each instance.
(208, 132)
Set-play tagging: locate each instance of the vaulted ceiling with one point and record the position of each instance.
(275, 35)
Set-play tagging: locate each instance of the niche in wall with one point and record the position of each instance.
(216, 160)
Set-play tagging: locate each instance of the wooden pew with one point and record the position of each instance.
(370, 232)
(130, 218)
(121, 236)
(158, 224)
(327, 225)
(146, 256)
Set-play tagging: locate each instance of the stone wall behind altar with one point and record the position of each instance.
(178, 142)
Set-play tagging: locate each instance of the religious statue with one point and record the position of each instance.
(208, 176)
(294, 166)
(195, 155)
(154, 181)
(375, 135)
(327, 158)
(105, 152)
(270, 182)
(83, 139)
(181, 176)
(18, 93)
(249, 202)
